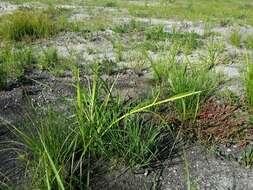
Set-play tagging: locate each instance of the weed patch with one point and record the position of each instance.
(182, 76)
(188, 41)
(14, 61)
(249, 42)
(31, 24)
(235, 39)
(249, 80)
(132, 26)
(64, 148)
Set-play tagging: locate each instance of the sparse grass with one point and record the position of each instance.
(190, 183)
(148, 46)
(249, 42)
(247, 158)
(218, 11)
(182, 76)
(51, 61)
(188, 40)
(249, 80)
(132, 26)
(215, 49)
(14, 61)
(235, 39)
(32, 24)
(157, 33)
(64, 147)
(118, 49)
(95, 24)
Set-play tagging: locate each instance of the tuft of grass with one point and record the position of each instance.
(14, 61)
(50, 60)
(215, 49)
(247, 158)
(148, 46)
(182, 76)
(249, 80)
(65, 145)
(136, 144)
(156, 33)
(235, 39)
(111, 4)
(32, 24)
(132, 26)
(249, 42)
(188, 40)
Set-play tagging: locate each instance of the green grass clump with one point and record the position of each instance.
(31, 24)
(148, 46)
(137, 144)
(235, 39)
(214, 55)
(249, 42)
(14, 61)
(187, 40)
(132, 26)
(179, 76)
(157, 33)
(247, 158)
(249, 81)
(184, 78)
(50, 60)
(65, 147)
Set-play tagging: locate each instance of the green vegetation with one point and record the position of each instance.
(249, 42)
(214, 11)
(96, 128)
(235, 39)
(31, 24)
(15, 60)
(215, 49)
(249, 80)
(132, 26)
(103, 120)
(188, 40)
(247, 158)
(182, 76)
